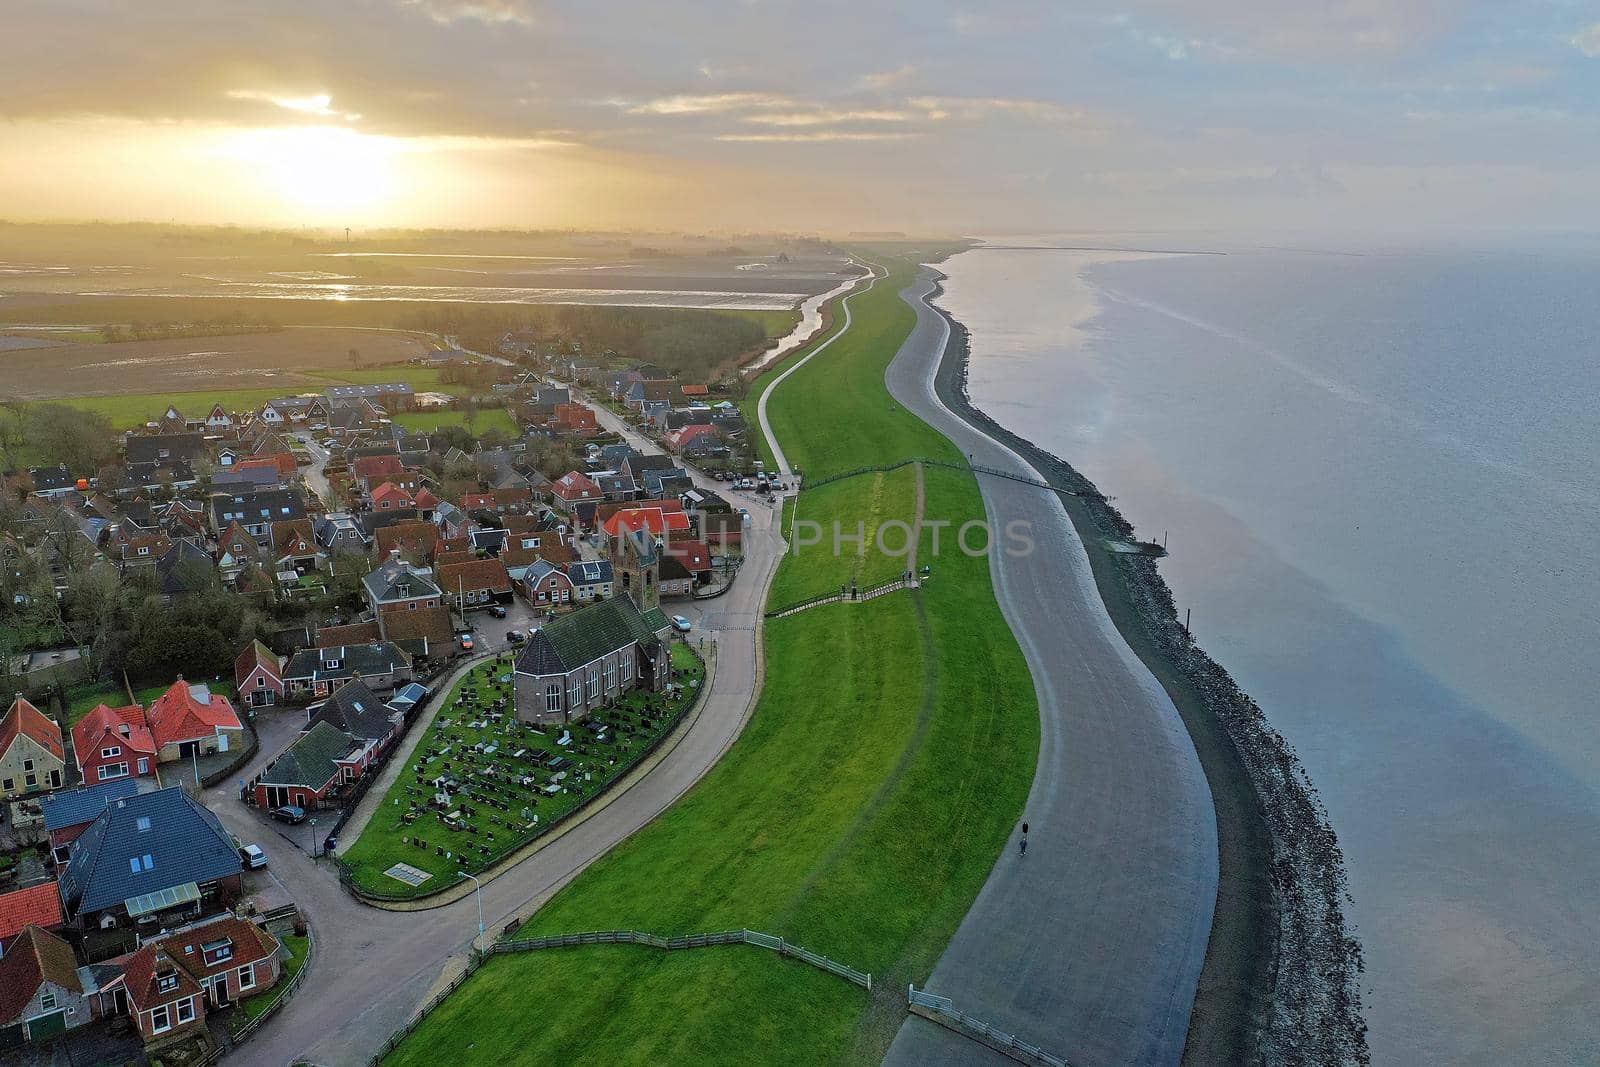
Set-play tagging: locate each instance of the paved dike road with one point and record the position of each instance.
(1091, 946)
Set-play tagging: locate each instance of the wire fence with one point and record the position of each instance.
(621, 937)
(975, 468)
(845, 595)
(943, 1011)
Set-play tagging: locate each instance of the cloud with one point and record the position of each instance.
(824, 117)
(886, 79)
(708, 103)
(815, 136)
(1587, 40)
(978, 108)
(317, 104)
(488, 12)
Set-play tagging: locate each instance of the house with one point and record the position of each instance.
(475, 583)
(574, 420)
(355, 633)
(615, 485)
(591, 579)
(650, 389)
(258, 676)
(428, 632)
(69, 812)
(52, 481)
(573, 488)
(581, 661)
(294, 546)
(359, 712)
(390, 497)
(41, 992)
(112, 743)
(318, 672)
(693, 390)
(154, 858)
(660, 518)
(413, 539)
(370, 471)
(338, 532)
(166, 1002)
(37, 905)
(310, 771)
(184, 568)
(256, 510)
(394, 396)
(696, 439)
(397, 588)
(638, 465)
(190, 720)
(685, 563)
(451, 520)
(283, 464)
(165, 450)
(229, 958)
(546, 585)
(237, 549)
(32, 756)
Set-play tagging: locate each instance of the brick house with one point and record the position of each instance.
(583, 660)
(391, 497)
(475, 583)
(190, 720)
(397, 586)
(258, 676)
(112, 743)
(319, 672)
(573, 489)
(310, 771)
(32, 755)
(546, 585)
(228, 957)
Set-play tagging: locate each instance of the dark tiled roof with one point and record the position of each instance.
(586, 635)
(356, 711)
(184, 840)
(77, 806)
(309, 761)
(378, 657)
(397, 580)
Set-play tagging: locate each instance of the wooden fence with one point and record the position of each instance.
(845, 596)
(942, 1011)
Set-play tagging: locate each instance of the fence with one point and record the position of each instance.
(975, 468)
(361, 892)
(943, 1011)
(623, 937)
(845, 595)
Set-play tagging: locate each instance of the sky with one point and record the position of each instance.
(811, 116)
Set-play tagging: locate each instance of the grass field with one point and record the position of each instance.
(865, 504)
(857, 815)
(407, 828)
(82, 699)
(488, 418)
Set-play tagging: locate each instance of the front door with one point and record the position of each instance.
(219, 992)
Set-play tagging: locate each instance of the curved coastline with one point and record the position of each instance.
(1280, 981)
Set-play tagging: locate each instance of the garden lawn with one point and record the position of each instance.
(487, 419)
(486, 833)
(299, 947)
(858, 814)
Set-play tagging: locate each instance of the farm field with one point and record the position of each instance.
(283, 361)
(508, 782)
(858, 814)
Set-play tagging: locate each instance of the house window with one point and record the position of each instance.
(47, 1000)
(108, 771)
(110, 753)
(144, 766)
(27, 764)
(247, 978)
(160, 1019)
(166, 983)
(219, 953)
(552, 697)
(594, 682)
(186, 1010)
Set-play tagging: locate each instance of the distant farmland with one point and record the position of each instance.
(285, 361)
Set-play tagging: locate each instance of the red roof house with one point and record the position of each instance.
(258, 675)
(574, 488)
(659, 521)
(32, 755)
(37, 905)
(373, 470)
(40, 990)
(114, 743)
(390, 497)
(190, 718)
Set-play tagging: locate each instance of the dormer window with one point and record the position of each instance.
(166, 983)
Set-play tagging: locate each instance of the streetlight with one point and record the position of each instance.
(312, 823)
(477, 891)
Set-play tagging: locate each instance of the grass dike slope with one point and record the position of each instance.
(858, 814)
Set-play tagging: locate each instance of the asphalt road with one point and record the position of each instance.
(1090, 946)
(374, 968)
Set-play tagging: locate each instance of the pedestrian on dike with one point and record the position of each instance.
(1022, 845)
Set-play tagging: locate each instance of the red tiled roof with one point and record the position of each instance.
(250, 945)
(574, 486)
(392, 493)
(694, 390)
(38, 905)
(255, 655)
(473, 574)
(356, 633)
(36, 956)
(657, 520)
(293, 537)
(432, 623)
(25, 719)
(103, 723)
(139, 970)
(426, 499)
(177, 716)
(376, 467)
(693, 555)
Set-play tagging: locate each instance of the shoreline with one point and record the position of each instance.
(1281, 974)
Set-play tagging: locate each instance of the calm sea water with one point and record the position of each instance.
(1380, 475)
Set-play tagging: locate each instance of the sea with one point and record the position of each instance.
(1376, 465)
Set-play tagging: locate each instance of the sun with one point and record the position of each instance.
(321, 170)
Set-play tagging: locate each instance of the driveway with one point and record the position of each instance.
(375, 967)
(313, 474)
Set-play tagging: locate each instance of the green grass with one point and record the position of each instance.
(858, 814)
(776, 323)
(638, 722)
(299, 949)
(488, 418)
(84, 698)
(860, 506)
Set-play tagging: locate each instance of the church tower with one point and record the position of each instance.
(637, 564)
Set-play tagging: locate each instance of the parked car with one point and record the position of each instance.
(498, 611)
(253, 858)
(288, 813)
(681, 624)
(516, 637)
(319, 427)
(464, 641)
